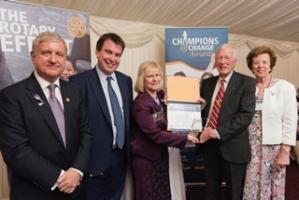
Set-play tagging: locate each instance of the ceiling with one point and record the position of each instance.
(275, 19)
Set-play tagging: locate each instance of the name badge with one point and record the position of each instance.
(158, 116)
(259, 104)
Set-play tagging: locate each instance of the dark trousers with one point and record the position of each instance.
(108, 185)
(22, 189)
(217, 170)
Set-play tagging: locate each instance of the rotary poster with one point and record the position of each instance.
(20, 23)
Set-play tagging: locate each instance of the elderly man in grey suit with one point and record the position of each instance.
(230, 107)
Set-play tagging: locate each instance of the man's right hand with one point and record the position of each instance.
(69, 181)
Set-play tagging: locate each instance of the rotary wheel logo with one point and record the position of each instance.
(76, 27)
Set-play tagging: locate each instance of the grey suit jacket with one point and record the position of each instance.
(235, 115)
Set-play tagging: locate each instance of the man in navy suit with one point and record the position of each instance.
(107, 167)
(47, 157)
(225, 136)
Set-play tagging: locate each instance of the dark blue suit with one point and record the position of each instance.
(107, 168)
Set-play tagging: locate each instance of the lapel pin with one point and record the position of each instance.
(67, 99)
(39, 99)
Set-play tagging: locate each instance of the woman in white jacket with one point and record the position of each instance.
(272, 131)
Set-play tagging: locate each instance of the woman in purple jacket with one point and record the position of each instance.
(151, 139)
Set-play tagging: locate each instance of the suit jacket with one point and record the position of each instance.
(150, 137)
(30, 140)
(101, 125)
(235, 115)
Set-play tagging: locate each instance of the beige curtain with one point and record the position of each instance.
(146, 42)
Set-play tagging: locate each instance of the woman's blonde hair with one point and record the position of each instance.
(139, 84)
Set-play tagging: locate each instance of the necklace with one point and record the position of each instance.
(269, 82)
(261, 87)
(261, 90)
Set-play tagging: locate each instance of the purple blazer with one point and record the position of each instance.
(150, 137)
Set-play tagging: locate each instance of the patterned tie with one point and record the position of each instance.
(57, 111)
(117, 114)
(216, 107)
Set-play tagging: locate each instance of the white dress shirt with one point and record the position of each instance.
(44, 85)
(226, 81)
(114, 84)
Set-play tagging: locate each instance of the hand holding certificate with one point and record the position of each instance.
(183, 109)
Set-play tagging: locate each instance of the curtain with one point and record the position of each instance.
(146, 42)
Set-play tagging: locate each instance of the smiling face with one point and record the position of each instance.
(49, 58)
(225, 61)
(152, 80)
(109, 57)
(261, 65)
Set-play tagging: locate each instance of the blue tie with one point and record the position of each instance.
(117, 114)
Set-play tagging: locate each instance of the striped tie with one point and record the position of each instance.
(216, 107)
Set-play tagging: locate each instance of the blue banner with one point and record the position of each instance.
(190, 51)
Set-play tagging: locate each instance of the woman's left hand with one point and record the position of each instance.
(191, 137)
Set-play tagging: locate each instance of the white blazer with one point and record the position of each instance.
(279, 114)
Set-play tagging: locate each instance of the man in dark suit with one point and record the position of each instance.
(44, 137)
(226, 117)
(110, 147)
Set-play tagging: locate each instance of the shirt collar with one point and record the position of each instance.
(104, 76)
(227, 78)
(44, 83)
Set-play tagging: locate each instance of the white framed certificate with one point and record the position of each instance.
(183, 117)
